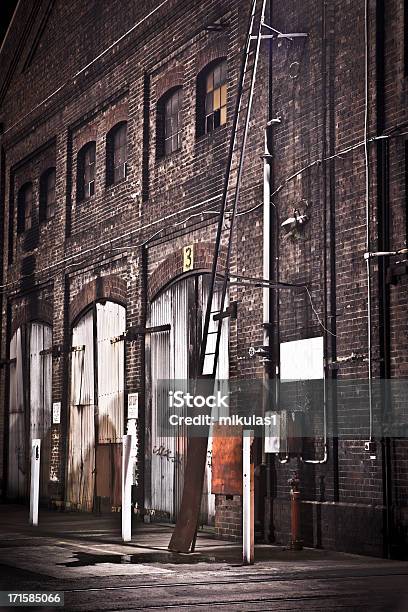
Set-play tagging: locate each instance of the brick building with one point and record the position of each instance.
(116, 119)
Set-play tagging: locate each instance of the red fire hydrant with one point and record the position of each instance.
(295, 540)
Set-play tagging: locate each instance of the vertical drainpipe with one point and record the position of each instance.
(3, 351)
(142, 476)
(331, 57)
(383, 245)
(268, 273)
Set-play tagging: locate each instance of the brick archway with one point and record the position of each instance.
(36, 309)
(172, 267)
(110, 287)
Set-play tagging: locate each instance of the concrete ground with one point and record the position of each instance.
(83, 556)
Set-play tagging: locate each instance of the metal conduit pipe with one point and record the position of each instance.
(367, 214)
(384, 297)
(325, 456)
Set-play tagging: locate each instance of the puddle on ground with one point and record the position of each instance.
(85, 559)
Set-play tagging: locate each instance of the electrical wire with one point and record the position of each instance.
(115, 239)
(263, 282)
(318, 162)
(79, 72)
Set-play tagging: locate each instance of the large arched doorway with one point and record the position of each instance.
(174, 356)
(96, 408)
(29, 406)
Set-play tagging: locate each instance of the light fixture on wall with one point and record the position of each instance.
(294, 224)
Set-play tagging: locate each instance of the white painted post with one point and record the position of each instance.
(35, 480)
(247, 500)
(127, 488)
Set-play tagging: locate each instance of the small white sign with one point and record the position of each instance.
(56, 413)
(133, 406)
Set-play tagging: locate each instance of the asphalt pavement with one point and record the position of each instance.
(83, 557)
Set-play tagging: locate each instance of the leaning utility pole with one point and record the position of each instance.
(183, 538)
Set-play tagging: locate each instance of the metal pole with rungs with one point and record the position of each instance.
(247, 500)
(127, 488)
(35, 480)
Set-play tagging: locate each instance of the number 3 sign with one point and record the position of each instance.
(188, 258)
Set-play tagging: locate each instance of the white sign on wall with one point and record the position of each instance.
(302, 359)
(133, 406)
(56, 413)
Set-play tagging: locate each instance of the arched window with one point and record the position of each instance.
(47, 194)
(116, 153)
(86, 171)
(168, 133)
(25, 208)
(212, 97)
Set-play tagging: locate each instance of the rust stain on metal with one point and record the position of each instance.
(227, 460)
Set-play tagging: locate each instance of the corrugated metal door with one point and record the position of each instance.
(162, 458)
(111, 325)
(81, 433)
(171, 351)
(17, 459)
(40, 395)
(179, 364)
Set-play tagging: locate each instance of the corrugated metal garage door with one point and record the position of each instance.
(35, 388)
(182, 306)
(96, 428)
(40, 395)
(81, 432)
(111, 325)
(17, 459)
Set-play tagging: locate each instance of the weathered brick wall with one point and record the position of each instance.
(228, 517)
(318, 92)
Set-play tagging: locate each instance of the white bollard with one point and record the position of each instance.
(247, 500)
(127, 488)
(35, 480)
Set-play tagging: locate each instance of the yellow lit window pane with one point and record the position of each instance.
(210, 82)
(217, 99)
(223, 95)
(223, 118)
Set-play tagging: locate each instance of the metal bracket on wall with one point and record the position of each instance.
(55, 351)
(7, 362)
(230, 311)
(77, 349)
(278, 34)
(135, 331)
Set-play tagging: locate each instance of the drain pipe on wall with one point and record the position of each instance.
(267, 292)
(369, 446)
(325, 455)
(384, 302)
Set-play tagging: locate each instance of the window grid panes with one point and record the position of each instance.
(28, 206)
(89, 171)
(50, 195)
(119, 153)
(216, 97)
(172, 122)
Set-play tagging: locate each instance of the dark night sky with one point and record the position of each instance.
(6, 12)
